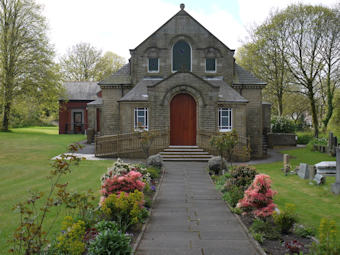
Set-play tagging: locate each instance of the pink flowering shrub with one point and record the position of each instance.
(258, 198)
(128, 182)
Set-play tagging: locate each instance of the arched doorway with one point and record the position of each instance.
(183, 120)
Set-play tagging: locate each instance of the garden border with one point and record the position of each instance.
(252, 240)
(140, 235)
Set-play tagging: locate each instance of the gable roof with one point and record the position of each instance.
(140, 91)
(182, 13)
(242, 76)
(227, 93)
(121, 77)
(80, 90)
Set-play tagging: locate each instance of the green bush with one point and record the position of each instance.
(282, 125)
(110, 240)
(304, 138)
(233, 195)
(241, 176)
(303, 231)
(286, 218)
(154, 172)
(266, 228)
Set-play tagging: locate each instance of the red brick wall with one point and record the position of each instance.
(65, 111)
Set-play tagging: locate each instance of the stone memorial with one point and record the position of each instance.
(286, 166)
(312, 171)
(303, 171)
(336, 185)
(326, 168)
(319, 179)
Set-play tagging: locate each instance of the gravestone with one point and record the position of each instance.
(336, 185)
(286, 166)
(319, 179)
(332, 144)
(326, 168)
(303, 171)
(312, 171)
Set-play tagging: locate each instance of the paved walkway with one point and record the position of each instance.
(189, 217)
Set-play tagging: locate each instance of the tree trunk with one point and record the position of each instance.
(280, 105)
(314, 112)
(330, 96)
(5, 119)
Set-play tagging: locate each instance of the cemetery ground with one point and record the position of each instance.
(25, 155)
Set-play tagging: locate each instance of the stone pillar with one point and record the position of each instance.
(286, 167)
(336, 185)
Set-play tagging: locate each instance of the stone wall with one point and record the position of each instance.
(127, 115)
(281, 139)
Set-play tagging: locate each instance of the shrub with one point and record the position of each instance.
(328, 244)
(303, 231)
(126, 208)
(71, 240)
(282, 125)
(258, 198)
(241, 176)
(294, 247)
(220, 180)
(110, 240)
(304, 138)
(233, 195)
(266, 228)
(124, 183)
(154, 172)
(286, 218)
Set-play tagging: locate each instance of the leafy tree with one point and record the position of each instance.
(108, 64)
(27, 69)
(225, 143)
(83, 62)
(296, 105)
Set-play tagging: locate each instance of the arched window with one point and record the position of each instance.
(181, 56)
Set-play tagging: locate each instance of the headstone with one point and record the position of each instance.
(312, 171)
(303, 171)
(319, 179)
(286, 166)
(336, 185)
(326, 168)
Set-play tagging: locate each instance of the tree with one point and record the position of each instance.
(108, 64)
(83, 62)
(225, 143)
(26, 57)
(80, 61)
(304, 32)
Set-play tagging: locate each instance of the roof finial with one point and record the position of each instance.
(182, 6)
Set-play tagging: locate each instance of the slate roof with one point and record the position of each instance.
(139, 92)
(99, 101)
(242, 76)
(121, 77)
(80, 90)
(227, 93)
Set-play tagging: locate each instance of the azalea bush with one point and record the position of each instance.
(258, 198)
(125, 183)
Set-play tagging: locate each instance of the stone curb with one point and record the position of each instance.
(256, 245)
(140, 235)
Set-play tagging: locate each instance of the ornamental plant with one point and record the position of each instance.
(286, 218)
(241, 176)
(258, 198)
(126, 209)
(125, 183)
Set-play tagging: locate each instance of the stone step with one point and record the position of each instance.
(187, 159)
(193, 150)
(183, 146)
(184, 152)
(186, 156)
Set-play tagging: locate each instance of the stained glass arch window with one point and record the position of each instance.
(181, 56)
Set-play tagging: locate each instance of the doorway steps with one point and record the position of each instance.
(184, 153)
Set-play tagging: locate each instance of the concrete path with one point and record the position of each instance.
(189, 217)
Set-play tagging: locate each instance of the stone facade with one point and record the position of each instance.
(228, 86)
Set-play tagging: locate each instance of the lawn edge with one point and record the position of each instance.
(140, 235)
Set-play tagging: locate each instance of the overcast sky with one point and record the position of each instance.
(120, 25)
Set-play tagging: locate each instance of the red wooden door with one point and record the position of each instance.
(183, 120)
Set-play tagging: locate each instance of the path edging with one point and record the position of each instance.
(255, 243)
(140, 235)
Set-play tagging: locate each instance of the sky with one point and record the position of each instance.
(121, 25)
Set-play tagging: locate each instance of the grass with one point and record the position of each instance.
(25, 155)
(312, 202)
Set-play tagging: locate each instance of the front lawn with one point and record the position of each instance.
(25, 155)
(312, 202)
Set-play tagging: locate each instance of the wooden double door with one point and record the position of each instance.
(183, 120)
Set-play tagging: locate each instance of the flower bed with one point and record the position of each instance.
(250, 196)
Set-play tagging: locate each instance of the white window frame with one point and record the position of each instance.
(152, 71)
(229, 125)
(207, 71)
(145, 125)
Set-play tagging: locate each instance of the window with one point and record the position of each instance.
(181, 56)
(224, 119)
(141, 118)
(210, 64)
(153, 65)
